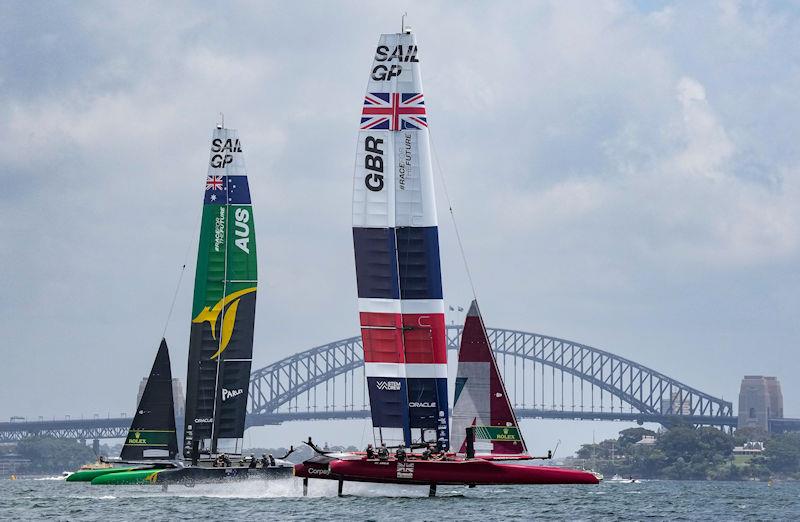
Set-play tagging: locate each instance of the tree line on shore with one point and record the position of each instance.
(681, 452)
(686, 452)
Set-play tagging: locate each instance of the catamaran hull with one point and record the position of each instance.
(194, 475)
(450, 472)
(88, 475)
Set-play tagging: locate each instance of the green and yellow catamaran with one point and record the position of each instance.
(221, 339)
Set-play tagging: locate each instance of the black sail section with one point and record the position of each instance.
(235, 372)
(201, 375)
(152, 433)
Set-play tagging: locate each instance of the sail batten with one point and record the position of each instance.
(396, 244)
(223, 311)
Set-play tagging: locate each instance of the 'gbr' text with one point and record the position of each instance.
(392, 60)
(373, 163)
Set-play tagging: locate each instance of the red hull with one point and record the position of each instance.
(447, 472)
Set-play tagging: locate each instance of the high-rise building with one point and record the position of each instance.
(760, 399)
(677, 404)
(177, 395)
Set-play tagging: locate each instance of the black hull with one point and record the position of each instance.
(200, 475)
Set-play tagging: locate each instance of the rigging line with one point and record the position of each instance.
(452, 216)
(180, 276)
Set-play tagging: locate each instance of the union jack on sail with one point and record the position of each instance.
(393, 111)
(214, 183)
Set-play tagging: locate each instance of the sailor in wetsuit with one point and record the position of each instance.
(253, 461)
(271, 460)
(400, 453)
(264, 460)
(383, 452)
(370, 452)
(426, 454)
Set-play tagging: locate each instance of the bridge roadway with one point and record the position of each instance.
(117, 427)
(603, 386)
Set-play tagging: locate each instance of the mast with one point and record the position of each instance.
(396, 245)
(223, 312)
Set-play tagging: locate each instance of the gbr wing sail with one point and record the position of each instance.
(224, 306)
(396, 243)
(480, 396)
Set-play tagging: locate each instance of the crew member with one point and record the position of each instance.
(400, 453)
(264, 460)
(383, 452)
(271, 460)
(370, 452)
(253, 461)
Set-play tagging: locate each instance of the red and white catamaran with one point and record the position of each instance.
(396, 243)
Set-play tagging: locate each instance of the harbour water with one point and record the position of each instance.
(36, 499)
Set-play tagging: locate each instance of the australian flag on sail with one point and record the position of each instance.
(393, 111)
(235, 188)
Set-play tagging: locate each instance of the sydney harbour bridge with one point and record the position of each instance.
(546, 377)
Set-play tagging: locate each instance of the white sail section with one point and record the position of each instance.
(394, 149)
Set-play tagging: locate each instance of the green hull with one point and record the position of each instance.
(87, 475)
(138, 476)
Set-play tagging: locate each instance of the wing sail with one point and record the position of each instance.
(396, 243)
(152, 433)
(223, 310)
(480, 396)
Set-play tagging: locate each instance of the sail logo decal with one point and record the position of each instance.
(230, 303)
(388, 385)
(405, 470)
(373, 163)
(214, 183)
(136, 439)
(393, 111)
(319, 471)
(242, 217)
(230, 394)
(422, 405)
(205, 420)
(400, 54)
(223, 152)
(497, 433)
(219, 229)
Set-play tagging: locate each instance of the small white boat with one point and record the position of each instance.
(622, 480)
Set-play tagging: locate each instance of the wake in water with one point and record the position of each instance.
(59, 477)
(280, 489)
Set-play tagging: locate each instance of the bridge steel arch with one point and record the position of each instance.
(654, 396)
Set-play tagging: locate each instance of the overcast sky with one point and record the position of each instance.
(626, 175)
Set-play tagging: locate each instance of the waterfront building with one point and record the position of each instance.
(647, 440)
(749, 448)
